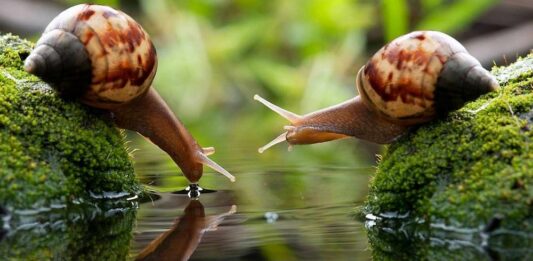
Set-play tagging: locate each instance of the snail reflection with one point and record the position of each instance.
(104, 59)
(181, 240)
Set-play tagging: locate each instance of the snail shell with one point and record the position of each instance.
(105, 59)
(421, 75)
(95, 53)
(413, 79)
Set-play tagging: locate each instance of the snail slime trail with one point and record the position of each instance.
(103, 58)
(412, 80)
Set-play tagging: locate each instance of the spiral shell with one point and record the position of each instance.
(421, 75)
(95, 53)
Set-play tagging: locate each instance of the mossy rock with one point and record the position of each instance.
(472, 170)
(54, 153)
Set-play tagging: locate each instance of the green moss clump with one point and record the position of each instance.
(461, 187)
(53, 151)
(474, 165)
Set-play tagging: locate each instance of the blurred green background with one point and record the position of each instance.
(214, 55)
(303, 55)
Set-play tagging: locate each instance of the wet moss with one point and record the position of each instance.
(410, 239)
(53, 151)
(102, 235)
(474, 165)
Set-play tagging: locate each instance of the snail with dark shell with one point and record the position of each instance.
(103, 58)
(415, 78)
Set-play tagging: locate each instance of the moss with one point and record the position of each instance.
(53, 151)
(469, 168)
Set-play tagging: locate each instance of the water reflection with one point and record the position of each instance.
(287, 209)
(3, 226)
(405, 238)
(186, 231)
(75, 233)
(182, 239)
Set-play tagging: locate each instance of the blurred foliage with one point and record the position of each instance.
(439, 15)
(214, 55)
(452, 17)
(224, 52)
(395, 18)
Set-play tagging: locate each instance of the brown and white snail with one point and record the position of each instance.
(415, 78)
(106, 60)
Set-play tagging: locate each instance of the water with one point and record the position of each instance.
(284, 206)
(272, 212)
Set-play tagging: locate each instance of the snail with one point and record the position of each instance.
(414, 79)
(103, 58)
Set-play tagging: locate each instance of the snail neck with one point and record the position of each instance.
(150, 116)
(350, 118)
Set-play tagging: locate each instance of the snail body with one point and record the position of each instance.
(103, 58)
(414, 79)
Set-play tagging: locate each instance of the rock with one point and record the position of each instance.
(472, 171)
(54, 153)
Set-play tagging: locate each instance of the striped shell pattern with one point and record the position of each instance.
(420, 75)
(95, 53)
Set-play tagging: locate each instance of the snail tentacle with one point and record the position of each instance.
(208, 151)
(279, 139)
(203, 159)
(291, 117)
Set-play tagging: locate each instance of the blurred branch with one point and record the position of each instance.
(13, 20)
(497, 46)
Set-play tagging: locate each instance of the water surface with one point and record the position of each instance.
(273, 212)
